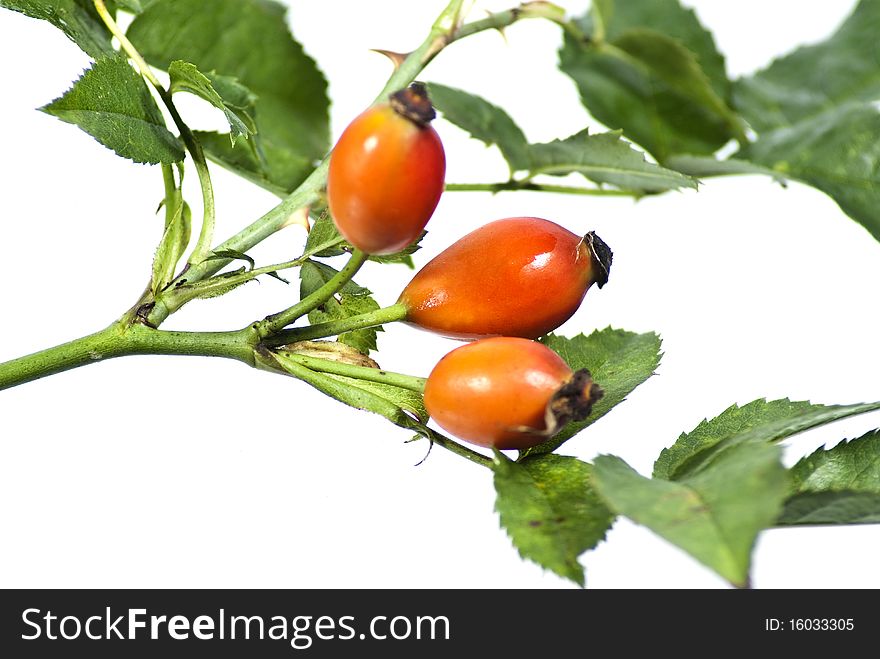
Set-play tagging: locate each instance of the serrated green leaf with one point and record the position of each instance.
(76, 18)
(323, 231)
(836, 152)
(111, 103)
(484, 121)
(853, 465)
(549, 509)
(759, 422)
(259, 51)
(840, 485)
(653, 96)
(714, 515)
(812, 80)
(619, 361)
(178, 228)
(843, 507)
(223, 92)
(605, 158)
(351, 300)
(133, 6)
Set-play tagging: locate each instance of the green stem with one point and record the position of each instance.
(444, 32)
(277, 322)
(454, 447)
(392, 314)
(127, 46)
(539, 187)
(119, 340)
(410, 382)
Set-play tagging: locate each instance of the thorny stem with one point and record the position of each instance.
(127, 46)
(540, 187)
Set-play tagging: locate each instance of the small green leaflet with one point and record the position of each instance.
(76, 18)
(111, 102)
(657, 75)
(605, 158)
(714, 515)
(840, 485)
(352, 300)
(619, 361)
(178, 228)
(247, 40)
(226, 94)
(324, 231)
(760, 421)
(484, 121)
(549, 509)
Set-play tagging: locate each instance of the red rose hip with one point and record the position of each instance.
(521, 276)
(387, 173)
(507, 393)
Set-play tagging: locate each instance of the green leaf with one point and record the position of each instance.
(323, 231)
(250, 41)
(843, 507)
(76, 18)
(759, 422)
(550, 511)
(840, 485)
(484, 121)
(406, 399)
(657, 75)
(111, 102)
(359, 397)
(226, 94)
(836, 152)
(843, 69)
(619, 361)
(178, 228)
(714, 515)
(605, 158)
(705, 166)
(670, 18)
(814, 113)
(853, 465)
(352, 300)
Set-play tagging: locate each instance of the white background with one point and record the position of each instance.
(164, 472)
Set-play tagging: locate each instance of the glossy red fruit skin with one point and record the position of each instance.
(491, 391)
(520, 276)
(385, 180)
